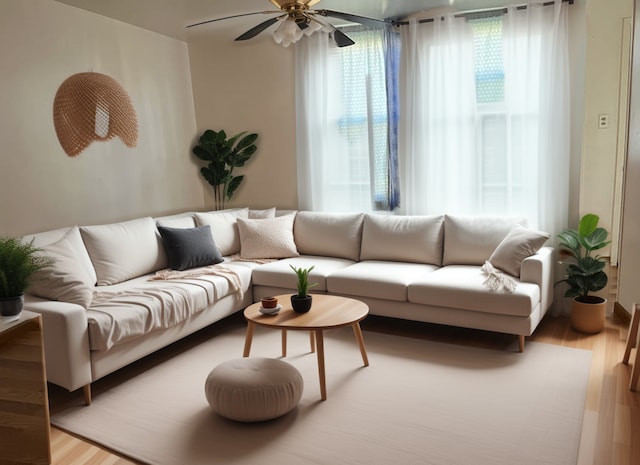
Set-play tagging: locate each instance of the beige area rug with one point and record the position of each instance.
(419, 402)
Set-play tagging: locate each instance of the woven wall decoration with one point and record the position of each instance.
(93, 106)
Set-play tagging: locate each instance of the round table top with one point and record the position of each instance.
(327, 311)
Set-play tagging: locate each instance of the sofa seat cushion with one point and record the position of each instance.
(461, 286)
(377, 279)
(279, 273)
(136, 307)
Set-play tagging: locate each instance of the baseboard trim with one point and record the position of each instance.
(621, 313)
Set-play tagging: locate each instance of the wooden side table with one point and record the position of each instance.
(24, 402)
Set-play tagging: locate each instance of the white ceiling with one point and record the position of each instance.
(170, 17)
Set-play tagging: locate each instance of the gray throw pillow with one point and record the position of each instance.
(519, 244)
(189, 247)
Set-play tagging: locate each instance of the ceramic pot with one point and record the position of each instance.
(301, 304)
(11, 306)
(269, 302)
(588, 315)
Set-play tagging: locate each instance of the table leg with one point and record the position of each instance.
(321, 373)
(284, 343)
(363, 351)
(312, 341)
(248, 339)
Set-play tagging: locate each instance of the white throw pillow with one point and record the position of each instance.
(414, 239)
(519, 244)
(65, 280)
(470, 240)
(121, 251)
(329, 234)
(224, 228)
(267, 238)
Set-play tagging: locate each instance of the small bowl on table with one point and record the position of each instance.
(269, 306)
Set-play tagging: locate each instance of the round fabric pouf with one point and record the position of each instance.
(253, 389)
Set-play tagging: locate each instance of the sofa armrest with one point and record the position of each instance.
(66, 341)
(538, 269)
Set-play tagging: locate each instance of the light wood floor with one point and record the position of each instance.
(611, 432)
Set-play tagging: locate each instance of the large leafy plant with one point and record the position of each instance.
(18, 262)
(223, 155)
(586, 272)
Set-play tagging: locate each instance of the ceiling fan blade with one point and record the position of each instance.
(341, 39)
(234, 16)
(353, 18)
(254, 31)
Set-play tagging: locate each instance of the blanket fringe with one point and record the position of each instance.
(496, 279)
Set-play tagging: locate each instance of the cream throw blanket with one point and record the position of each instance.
(223, 271)
(496, 279)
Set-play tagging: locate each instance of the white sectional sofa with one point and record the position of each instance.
(121, 291)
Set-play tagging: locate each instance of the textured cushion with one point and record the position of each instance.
(259, 214)
(189, 247)
(416, 239)
(65, 280)
(519, 244)
(470, 240)
(267, 238)
(253, 389)
(122, 251)
(224, 228)
(329, 234)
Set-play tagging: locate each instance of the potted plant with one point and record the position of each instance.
(18, 262)
(585, 273)
(301, 302)
(223, 155)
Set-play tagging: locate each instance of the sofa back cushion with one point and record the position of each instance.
(180, 220)
(470, 240)
(415, 239)
(49, 237)
(224, 228)
(121, 251)
(328, 234)
(67, 279)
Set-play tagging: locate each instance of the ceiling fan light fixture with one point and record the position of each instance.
(287, 33)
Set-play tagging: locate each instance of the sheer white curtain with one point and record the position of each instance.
(341, 122)
(536, 60)
(462, 152)
(437, 138)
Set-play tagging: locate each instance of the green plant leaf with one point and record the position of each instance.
(233, 184)
(588, 224)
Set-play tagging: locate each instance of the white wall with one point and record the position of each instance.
(249, 86)
(42, 43)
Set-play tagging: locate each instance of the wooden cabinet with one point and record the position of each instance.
(24, 403)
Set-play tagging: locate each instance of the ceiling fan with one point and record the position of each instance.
(298, 18)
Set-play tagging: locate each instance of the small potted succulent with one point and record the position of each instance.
(585, 273)
(18, 262)
(301, 302)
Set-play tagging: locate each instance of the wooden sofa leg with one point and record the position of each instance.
(86, 389)
(521, 342)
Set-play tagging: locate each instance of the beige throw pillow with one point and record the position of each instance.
(65, 280)
(519, 244)
(267, 238)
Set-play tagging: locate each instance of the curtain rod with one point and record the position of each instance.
(477, 13)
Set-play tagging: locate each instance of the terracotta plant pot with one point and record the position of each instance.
(269, 302)
(301, 304)
(588, 316)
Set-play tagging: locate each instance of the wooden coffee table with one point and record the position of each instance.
(327, 312)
